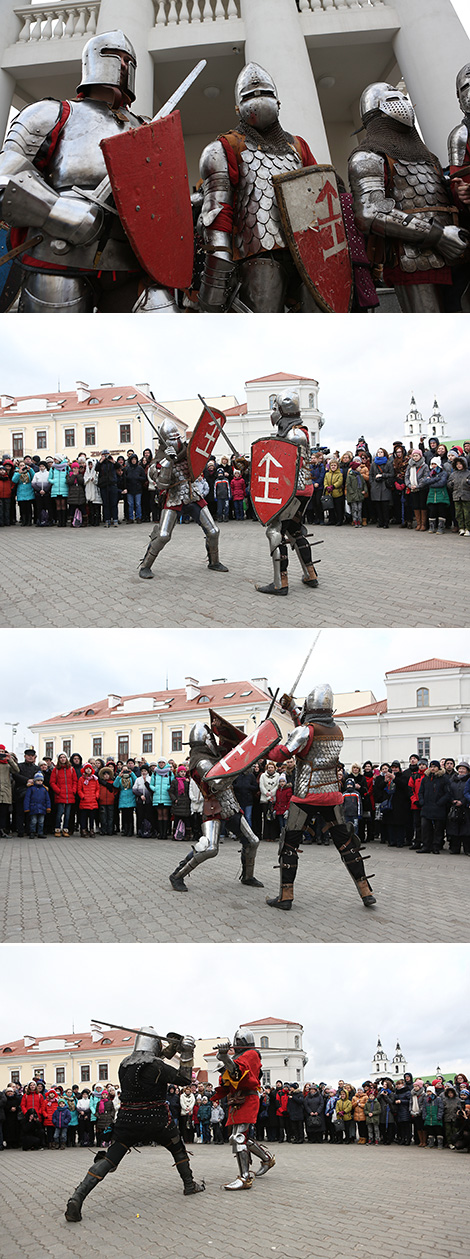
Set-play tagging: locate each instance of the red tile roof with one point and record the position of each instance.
(279, 376)
(219, 695)
(424, 666)
(82, 1040)
(369, 710)
(130, 394)
(241, 409)
(263, 1022)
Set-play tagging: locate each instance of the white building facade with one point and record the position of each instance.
(427, 711)
(279, 1043)
(418, 429)
(247, 421)
(382, 1065)
(321, 53)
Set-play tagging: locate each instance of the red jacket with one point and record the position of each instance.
(283, 795)
(64, 784)
(107, 793)
(33, 1101)
(5, 484)
(238, 488)
(51, 1102)
(414, 786)
(88, 791)
(242, 1094)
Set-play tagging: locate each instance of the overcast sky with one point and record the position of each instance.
(57, 670)
(367, 367)
(462, 7)
(345, 999)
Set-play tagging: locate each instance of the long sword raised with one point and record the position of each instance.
(305, 663)
(219, 426)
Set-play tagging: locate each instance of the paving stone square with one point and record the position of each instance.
(113, 889)
(325, 1201)
(368, 577)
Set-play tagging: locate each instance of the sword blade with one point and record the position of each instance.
(216, 422)
(305, 663)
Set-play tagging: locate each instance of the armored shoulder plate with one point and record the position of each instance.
(30, 128)
(457, 145)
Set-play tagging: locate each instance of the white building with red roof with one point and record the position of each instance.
(426, 710)
(250, 420)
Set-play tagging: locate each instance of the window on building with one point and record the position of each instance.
(97, 747)
(103, 1071)
(311, 400)
(297, 1074)
(267, 1077)
(272, 399)
(90, 436)
(60, 1075)
(49, 749)
(15, 1077)
(264, 1042)
(124, 433)
(123, 747)
(69, 437)
(38, 1073)
(297, 1042)
(422, 697)
(41, 440)
(17, 445)
(67, 746)
(85, 1073)
(177, 740)
(147, 743)
(424, 748)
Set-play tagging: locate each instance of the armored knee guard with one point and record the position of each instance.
(239, 1146)
(207, 846)
(250, 845)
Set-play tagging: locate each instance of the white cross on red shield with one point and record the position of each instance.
(203, 439)
(313, 223)
(274, 475)
(251, 749)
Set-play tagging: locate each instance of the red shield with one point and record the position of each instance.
(147, 170)
(313, 223)
(227, 734)
(203, 440)
(251, 749)
(274, 474)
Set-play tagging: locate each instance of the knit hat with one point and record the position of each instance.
(356, 463)
(38, 778)
(435, 463)
(438, 763)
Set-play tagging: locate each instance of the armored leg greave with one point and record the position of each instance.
(346, 846)
(159, 537)
(250, 844)
(207, 846)
(155, 300)
(44, 294)
(240, 1149)
(180, 1154)
(267, 1159)
(212, 533)
(288, 863)
(103, 1164)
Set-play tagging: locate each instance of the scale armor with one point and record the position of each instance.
(258, 218)
(417, 188)
(316, 772)
(180, 489)
(298, 437)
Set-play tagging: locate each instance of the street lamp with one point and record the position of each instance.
(14, 730)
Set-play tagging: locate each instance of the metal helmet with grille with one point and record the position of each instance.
(382, 98)
(243, 1039)
(463, 88)
(256, 97)
(319, 703)
(147, 1041)
(169, 436)
(103, 64)
(201, 733)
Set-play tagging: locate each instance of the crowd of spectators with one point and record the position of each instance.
(426, 488)
(421, 805)
(430, 1113)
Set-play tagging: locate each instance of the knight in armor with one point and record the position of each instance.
(240, 1082)
(316, 744)
(288, 528)
(170, 474)
(459, 141)
(52, 153)
(403, 202)
(220, 805)
(144, 1114)
(246, 248)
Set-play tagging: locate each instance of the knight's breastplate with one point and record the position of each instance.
(418, 188)
(316, 772)
(304, 479)
(258, 221)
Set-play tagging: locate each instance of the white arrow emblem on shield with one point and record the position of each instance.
(268, 459)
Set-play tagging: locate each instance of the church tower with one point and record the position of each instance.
(436, 425)
(414, 426)
(399, 1064)
(379, 1062)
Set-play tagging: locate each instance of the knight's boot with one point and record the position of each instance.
(159, 538)
(272, 589)
(365, 892)
(212, 548)
(248, 855)
(310, 578)
(180, 1152)
(94, 1176)
(285, 898)
(267, 1159)
(355, 865)
(245, 1177)
(177, 877)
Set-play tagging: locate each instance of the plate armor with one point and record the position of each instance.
(458, 143)
(258, 220)
(417, 189)
(288, 527)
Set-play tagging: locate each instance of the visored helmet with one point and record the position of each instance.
(463, 89)
(319, 702)
(288, 402)
(109, 60)
(256, 97)
(169, 435)
(147, 1041)
(201, 733)
(382, 98)
(243, 1039)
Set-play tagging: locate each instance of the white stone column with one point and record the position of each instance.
(275, 41)
(430, 49)
(136, 20)
(10, 27)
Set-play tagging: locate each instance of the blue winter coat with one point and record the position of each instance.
(61, 1117)
(58, 480)
(402, 1103)
(160, 786)
(25, 492)
(126, 794)
(37, 800)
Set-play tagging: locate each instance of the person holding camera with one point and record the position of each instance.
(9, 773)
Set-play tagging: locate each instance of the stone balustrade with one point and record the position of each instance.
(57, 21)
(317, 6)
(183, 12)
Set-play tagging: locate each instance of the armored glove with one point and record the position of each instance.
(187, 1048)
(452, 243)
(285, 702)
(217, 284)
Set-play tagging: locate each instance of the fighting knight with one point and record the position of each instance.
(80, 257)
(144, 1114)
(288, 527)
(402, 201)
(170, 474)
(459, 141)
(316, 744)
(220, 805)
(239, 1082)
(246, 248)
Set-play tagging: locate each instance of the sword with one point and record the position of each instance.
(100, 194)
(97, 1024)
(219, 426)
(305, 663)
(21, 249)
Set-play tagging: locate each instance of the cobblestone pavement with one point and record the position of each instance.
(392, 1202)
(368, 577)
(117, 890)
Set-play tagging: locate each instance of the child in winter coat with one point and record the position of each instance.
(88, 797)
(372, 1114)
(5, 492)
(42, 494)
(106, 800)
(238, 492)
(25, 493)
(93, 497)
(61, 1119)
(37, 803)
(283, 796)
(356, 492)
(125, 781)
